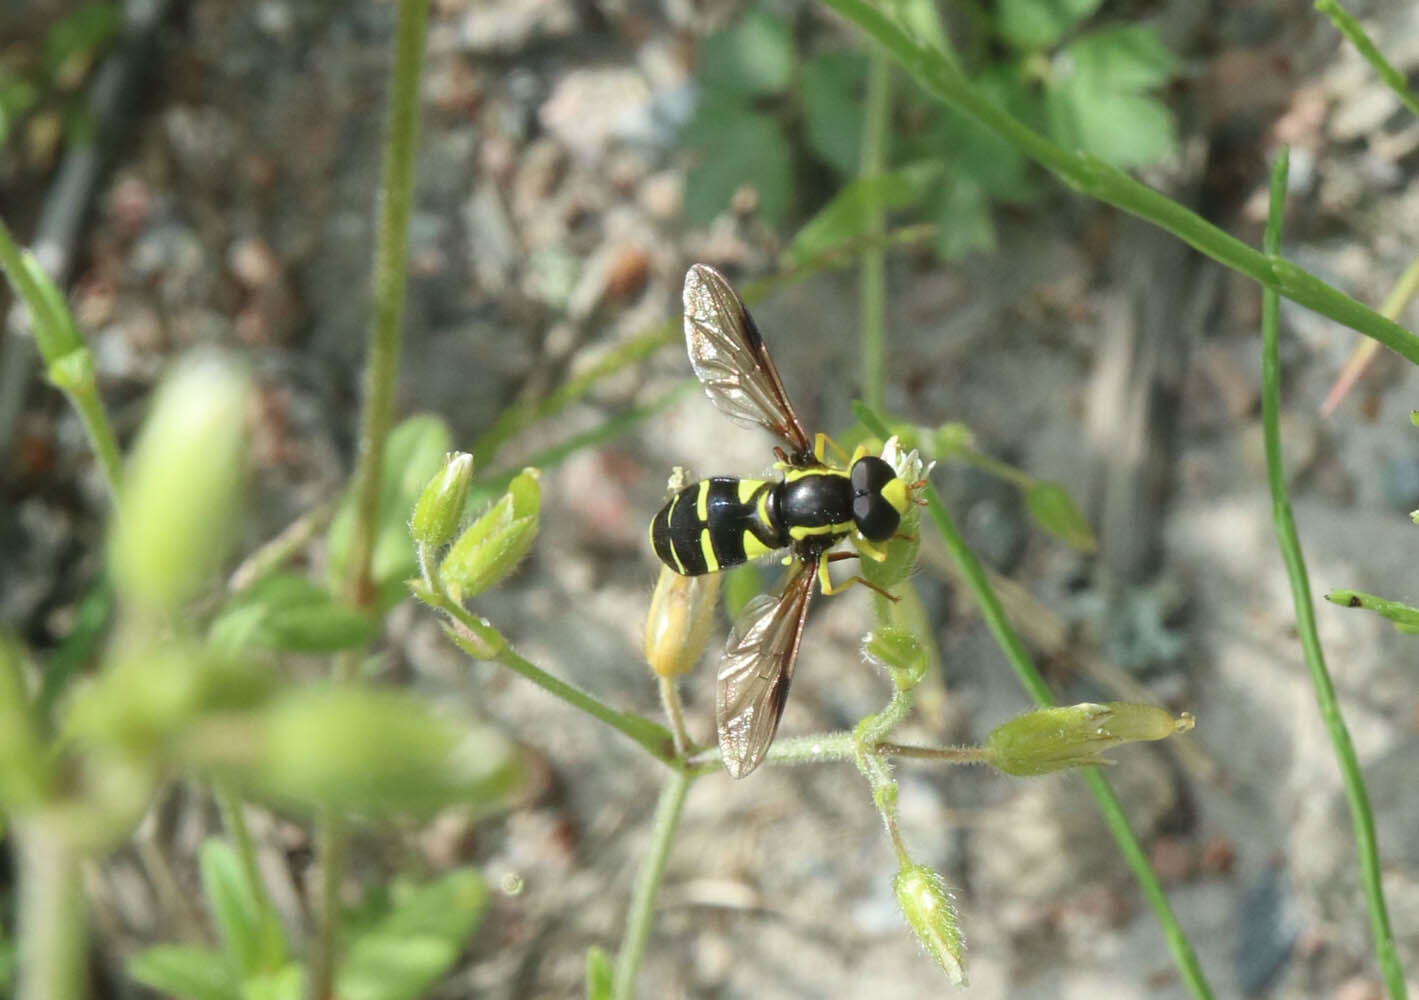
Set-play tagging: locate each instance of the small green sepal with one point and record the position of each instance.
(1053, 739)
(492, 546)
(440, 506)
(899, 653)
(927, 904)
(55, 334)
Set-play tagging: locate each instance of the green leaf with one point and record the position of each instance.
(1128, 58)
(1052, 508)
(963, 219)
(852, 211)
(286, 983)
(250, 931)
(832, 85)
(81, 34)
(753, 58)
(1123, 129)
(1404, 617)
(491, 547)
(417, 943)
(377, 751)
(599, 977)
(412, 455)
(288, 613)
(189, 973)
(1038, 24)
(737, 147)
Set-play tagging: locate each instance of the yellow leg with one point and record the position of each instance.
(825, 582)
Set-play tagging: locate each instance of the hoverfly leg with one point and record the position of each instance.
(821, 442)
(825, 583)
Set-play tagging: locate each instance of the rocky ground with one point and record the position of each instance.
(236, 209)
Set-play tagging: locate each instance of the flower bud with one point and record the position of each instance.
(491, 547)
(678, 623)
(927, 905)
(1052, 739)
(440, 506)
(179, 504)
(898, 652)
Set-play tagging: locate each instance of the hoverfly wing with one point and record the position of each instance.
(757, 669)
(731, 361)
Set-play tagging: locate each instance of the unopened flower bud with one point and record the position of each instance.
(678, 623)
(440, 506)
(927, 905)
(179, 504)
(1052, 739)
(898, 652)
(491, 547)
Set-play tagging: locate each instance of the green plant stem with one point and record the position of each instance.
(234, 821)
(86, 402)
(1106, 800)
(331, 848)
(995, 467)
(950, 755)
(377, 415)
(487, 643)
(391, 248)
(55, 334)
(50, 913)
(642, 909)
(1290, 543)
(1088, 174)
(1350, 28)
(674, 711)
(876, 133)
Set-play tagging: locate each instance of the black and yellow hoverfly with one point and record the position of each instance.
(721, 522)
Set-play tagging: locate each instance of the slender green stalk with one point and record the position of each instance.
(67, 358)
(950, 755)
(391, 249)
(377, 415)
(675, 712)
(638, 919)
(85, 399)
(487, 643)
(876, 134)
(331, 849)
(1290, 543)
(1398, 299)
(1350, 28)
(995, 467)
(51, 906)
(234, 822)
(1107, 802)
(1092, 176)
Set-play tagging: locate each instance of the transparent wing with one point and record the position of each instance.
(757, 669)
(731, 361)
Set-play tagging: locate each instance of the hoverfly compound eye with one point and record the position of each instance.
(878, 498)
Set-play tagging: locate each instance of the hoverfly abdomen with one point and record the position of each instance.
(717, 523)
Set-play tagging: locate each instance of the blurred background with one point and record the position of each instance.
(204, 173)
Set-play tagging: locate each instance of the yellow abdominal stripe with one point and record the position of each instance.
(707, 547)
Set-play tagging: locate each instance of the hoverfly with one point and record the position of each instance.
(721, 522)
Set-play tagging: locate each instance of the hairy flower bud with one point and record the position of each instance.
(1052, 739)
